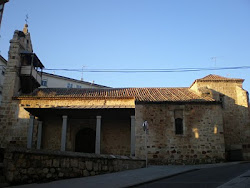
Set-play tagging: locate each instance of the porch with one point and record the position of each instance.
(96, 129)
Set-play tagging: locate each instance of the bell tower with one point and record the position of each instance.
(21, 76)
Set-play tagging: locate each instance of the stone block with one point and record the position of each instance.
(65, 163)
(73, 163)
(95, 166)
(8, 155)
(45, 170)
(105, 168)
(10, 176)
(48, 163)
(89, 165)
(85, 173)
(52, 170)
(11, 166)
(111, 168)
(49, 175)
(31, 171)
(60, 175)
(23, 171)
(77, 171)
(81, 165)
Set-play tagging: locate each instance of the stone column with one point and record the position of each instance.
(30, 132)
(39, 135)
(132, 136)
(64, 133)
(98, 135)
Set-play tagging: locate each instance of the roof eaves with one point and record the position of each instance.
(179, 102)
(67, 97)
(229, 80)
(3, 60)
(36, 57)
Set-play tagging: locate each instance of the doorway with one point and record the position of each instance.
(85, 141)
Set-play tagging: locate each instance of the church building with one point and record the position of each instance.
(204, 123)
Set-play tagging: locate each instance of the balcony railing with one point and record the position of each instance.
(30, 71)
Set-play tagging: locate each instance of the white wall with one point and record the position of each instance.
(60, 82)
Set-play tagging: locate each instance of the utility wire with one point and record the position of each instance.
(150, 70)
(142, 70)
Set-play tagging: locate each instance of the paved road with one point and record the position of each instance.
(203, 178)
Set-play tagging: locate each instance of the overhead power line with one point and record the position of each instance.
(144, 70)
(150, 70)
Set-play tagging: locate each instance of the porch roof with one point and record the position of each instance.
(93, 107)
(83, 113)
(139, 94)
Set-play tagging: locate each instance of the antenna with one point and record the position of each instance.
(26, 19)
(0, 39)
(82, 72)
(214, 60)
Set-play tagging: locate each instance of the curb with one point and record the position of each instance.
(160, 178)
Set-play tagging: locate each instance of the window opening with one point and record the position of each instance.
(178, 126)
(44, 83)
(70, 85)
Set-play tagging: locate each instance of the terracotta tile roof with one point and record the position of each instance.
(213, 77)
(140, 94)
(217, 78)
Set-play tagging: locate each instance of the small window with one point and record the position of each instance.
(44, 83)
(77, 86)
(69, 85)
(178, 126)
(3, 72)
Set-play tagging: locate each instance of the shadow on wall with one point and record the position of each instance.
(1, 155)
(236, 125)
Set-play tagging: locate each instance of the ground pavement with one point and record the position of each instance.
(131, 178)
(242, 181)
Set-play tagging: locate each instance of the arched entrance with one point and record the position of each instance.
(85, 141)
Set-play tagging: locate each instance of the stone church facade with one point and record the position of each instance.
(204, 123)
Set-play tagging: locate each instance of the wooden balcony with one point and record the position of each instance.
(30, 75)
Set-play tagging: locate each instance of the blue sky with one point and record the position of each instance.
(149, 34)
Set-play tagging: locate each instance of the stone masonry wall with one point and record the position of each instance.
(235, 113)
(201, 142)
(115, 134)
(115, 137)
(14, 122)
(9, 109)
(11, 127)
(28, 166)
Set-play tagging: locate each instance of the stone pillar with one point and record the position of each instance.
(64, 133)
(132, 136)
(98, 135)
(30, 132)
(39, 135)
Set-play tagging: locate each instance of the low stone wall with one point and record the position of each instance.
(28, 166)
